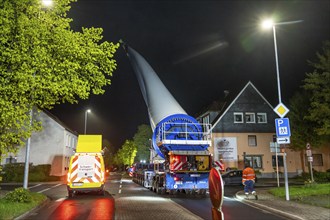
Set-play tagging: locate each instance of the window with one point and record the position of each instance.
(262, 118)
(255, 161)
(11, 160)
(279, 161)
(250, 117)
(252, 140)
(238, 117)
(317, 160)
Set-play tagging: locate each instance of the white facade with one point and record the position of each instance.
(53, 145)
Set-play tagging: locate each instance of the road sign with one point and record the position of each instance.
(281, 110)
(308, 146)
(309, 153)
(283, 140)
(310, 159)
(282, 127)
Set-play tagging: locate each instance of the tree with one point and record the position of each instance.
(44, 62)
(318, 84)
(309, 109)
(127, 153)
(142, 141)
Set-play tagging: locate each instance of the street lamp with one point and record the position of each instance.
(86, 112)
(270, 24)
(46, 3)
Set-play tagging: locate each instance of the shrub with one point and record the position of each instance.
(19, 195)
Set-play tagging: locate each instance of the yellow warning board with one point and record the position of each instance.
(89, 143)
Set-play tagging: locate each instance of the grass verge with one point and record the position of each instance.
(11, 210)
(313, 194)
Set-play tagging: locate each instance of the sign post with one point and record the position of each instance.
(283, 134)
(310, 160)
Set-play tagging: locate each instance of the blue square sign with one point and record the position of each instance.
(282, 127)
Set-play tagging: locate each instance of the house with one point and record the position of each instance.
(243, 130)
(53, 145)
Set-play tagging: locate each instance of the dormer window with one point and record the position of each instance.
(262, 118)
(250, 117)
(238, 117)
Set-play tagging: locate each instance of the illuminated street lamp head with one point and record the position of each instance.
(47, 3)
(267, 24)
(88, 111)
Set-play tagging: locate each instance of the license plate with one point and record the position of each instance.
(178, 182)
(77, 184)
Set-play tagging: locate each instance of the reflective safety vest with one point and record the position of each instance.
(248, 174)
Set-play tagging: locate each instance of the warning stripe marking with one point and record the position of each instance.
(97, 171)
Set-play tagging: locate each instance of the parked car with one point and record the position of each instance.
(233, 177)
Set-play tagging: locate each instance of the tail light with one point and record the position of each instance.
(177, 178)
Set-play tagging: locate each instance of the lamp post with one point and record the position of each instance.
(86, 112)
(45, 3)
(270, 24)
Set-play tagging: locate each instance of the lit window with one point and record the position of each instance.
(262, 117)
(255, 161)
(279, 161)
(252, 139)
(250, 117)
(238, 117)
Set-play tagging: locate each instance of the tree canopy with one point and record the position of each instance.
(310, 108)
(142, 141)
(43, 62)
(126, 153)
(317, 84)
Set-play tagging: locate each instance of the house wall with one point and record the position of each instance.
(293, 160)
(53, 145)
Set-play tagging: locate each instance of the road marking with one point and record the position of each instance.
(228, 198)
(264, 208)
(56, 185)
(34, 186)
(60, 199)
(43, 190)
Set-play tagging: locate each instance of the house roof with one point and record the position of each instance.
(224, 106)
(58, 121)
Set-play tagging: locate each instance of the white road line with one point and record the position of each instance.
(34, 186)
(44, 190)
(119, 191)
(56, 185)
(60, 200)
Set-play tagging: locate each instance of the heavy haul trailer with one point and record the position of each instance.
(187, 162)
(178, 139)
(143, 173)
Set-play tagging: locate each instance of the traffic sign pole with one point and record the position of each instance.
(283, 134)
(310, 159)
(287, 197)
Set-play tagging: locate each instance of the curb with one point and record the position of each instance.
(264, 207)
(24, 215)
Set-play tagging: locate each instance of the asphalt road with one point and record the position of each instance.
(92, 206)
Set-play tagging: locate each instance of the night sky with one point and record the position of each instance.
(198, 49)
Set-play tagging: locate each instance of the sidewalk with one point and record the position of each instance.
(288, 209)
